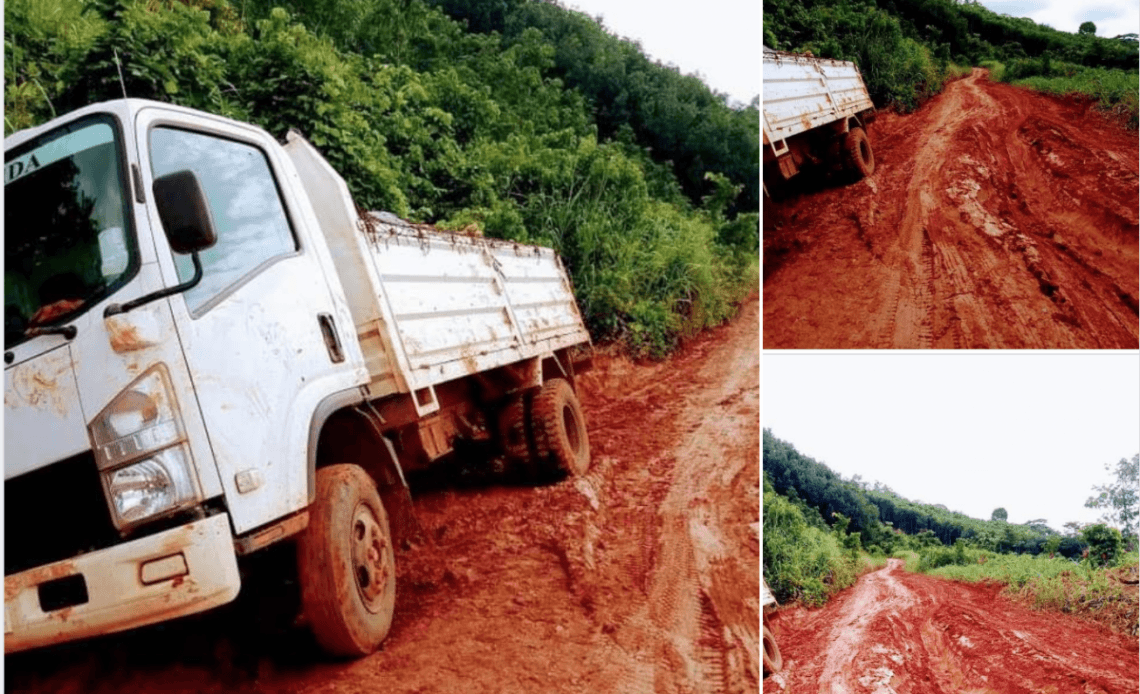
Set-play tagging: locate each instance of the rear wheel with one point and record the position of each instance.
(857, 149)
(513, 430)
(560, 428)
(773, 661)
(346, 564)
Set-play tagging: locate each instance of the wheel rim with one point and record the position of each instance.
(370, 553)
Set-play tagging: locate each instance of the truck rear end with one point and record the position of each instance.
(815, 111)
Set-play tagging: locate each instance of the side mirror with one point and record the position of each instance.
(184, 212)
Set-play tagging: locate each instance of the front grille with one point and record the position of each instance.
(54, 513)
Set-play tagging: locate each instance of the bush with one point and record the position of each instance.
(1104, 544)
(802, 563)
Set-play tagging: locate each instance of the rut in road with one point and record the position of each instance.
(899, 632)
(997, 217)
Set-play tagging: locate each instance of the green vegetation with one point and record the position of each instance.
(907, 49)
(547, 130)
(802, 562)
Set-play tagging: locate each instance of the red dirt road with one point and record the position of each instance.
(640, 577)
(896, 632)
(997, 217)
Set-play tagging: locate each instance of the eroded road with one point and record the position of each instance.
(997, 217)
(641, 577)
(900, 632)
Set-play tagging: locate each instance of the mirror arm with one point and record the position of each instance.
(116, 309)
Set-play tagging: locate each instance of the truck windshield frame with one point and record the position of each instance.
(69, 232)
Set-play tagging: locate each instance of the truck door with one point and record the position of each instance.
(261, 332)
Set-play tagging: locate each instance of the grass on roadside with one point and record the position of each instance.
(1115, 91)
(1057, 584)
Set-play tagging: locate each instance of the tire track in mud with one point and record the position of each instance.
(896, 632)
(997, 217)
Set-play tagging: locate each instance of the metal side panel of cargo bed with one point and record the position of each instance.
(463, 304)
(803, 92)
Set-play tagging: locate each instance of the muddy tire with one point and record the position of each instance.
(559, 425)
(773, 661)
(346, 564)
(857, 151)
(513, 430)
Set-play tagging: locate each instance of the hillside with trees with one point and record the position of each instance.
(521, 120)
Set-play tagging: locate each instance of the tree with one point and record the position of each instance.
(1104, 544)
(1073, 528)
(1087, 29)
(1121, 499)
(999, 514)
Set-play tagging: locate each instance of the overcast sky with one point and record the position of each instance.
(1029, 432)
(719, 39)
(1112, 17)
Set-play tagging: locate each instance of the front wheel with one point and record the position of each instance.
(857, 149)
(346, 564)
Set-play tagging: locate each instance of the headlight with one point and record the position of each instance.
(153, 486)
(140, 447)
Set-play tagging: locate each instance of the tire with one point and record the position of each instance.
(346, 564)
(773, 661)
(559, 426)
(513, 430)
(857, 150)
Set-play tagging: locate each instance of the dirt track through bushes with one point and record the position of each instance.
(896, 632)
(997, 217)
(642, 576)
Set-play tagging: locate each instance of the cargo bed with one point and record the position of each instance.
(433, 306)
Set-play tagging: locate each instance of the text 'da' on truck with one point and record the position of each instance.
(815, 115)
(209, 350)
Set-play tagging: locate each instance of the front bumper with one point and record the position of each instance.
(173, 573)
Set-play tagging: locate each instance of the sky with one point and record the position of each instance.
(1112, 17)
(1028, 432)
(717, 39)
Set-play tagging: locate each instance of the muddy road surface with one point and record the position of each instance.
(896, 632)
(997, 217)
(642, 576)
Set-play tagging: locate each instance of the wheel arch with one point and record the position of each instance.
(347, 429)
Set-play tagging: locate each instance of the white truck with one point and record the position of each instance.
(209, 350)
(815, 111)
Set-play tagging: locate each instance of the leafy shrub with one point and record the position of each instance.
(801, 562)
(1104, 544)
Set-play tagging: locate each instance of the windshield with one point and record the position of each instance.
(66, 240)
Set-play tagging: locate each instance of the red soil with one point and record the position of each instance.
(900, 632)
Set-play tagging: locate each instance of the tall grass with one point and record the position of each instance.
(1115, 91)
